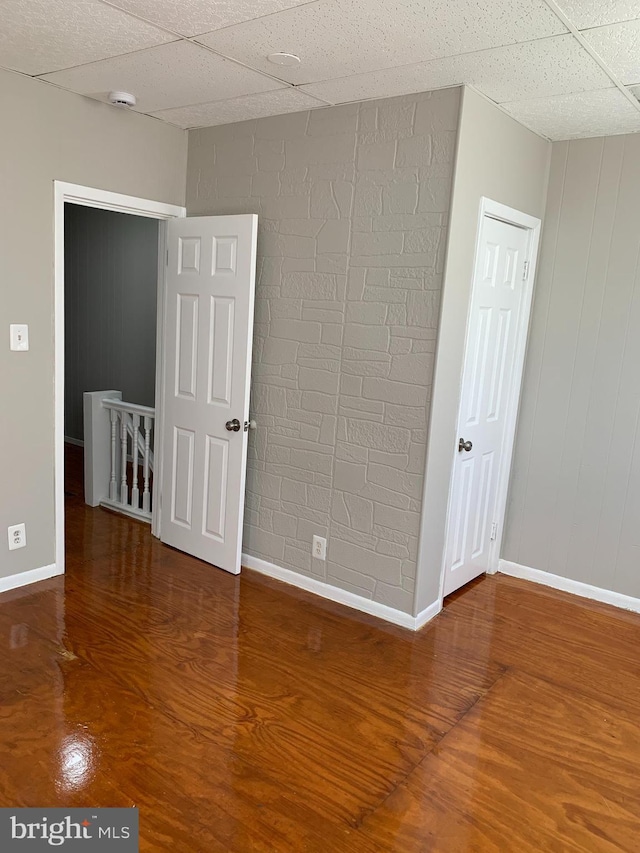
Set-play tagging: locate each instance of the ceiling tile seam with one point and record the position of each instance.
(15, 71)
(78, 95)
(114, 5)
(179, 37)
(323, 101)
(608, 26)
(216, 101)
(285, 83)
(417, 92)
(425, 61)
(129, 14)
(240, 120)
(549, 97)
(154, 113)
(235, 98)
(261, 17)
(106, 59)
(593, 53)
(258, 18)
(504, 110)
(140, 18)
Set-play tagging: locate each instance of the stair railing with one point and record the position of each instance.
(118, 441)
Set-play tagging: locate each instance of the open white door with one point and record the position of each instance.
(493, 362)
(209, 298)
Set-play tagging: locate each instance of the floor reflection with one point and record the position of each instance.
(242, 715)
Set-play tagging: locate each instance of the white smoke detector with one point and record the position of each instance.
(122, 99)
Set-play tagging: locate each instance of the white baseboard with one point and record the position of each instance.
(32, 576)
(585, 590)
(427, 614)
(78, 442)
(341, 596)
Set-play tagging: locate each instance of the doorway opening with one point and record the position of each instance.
(206, 269)
(100, 260)
(111, 291)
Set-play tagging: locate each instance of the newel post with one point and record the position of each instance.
(97, 445)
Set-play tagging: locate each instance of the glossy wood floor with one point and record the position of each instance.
(241, 715)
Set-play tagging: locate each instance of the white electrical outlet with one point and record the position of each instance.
(319, 548)
(17, 536)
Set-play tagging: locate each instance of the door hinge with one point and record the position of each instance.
(167, 259)
(494, 530)
(525, 274)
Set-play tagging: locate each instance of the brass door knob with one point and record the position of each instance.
(234, 425)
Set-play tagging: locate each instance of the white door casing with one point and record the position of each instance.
(492, 374)
(65, 193)
(208, 322)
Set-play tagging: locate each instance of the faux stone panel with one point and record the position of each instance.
(353, 203)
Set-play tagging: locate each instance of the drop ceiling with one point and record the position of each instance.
(564, 68)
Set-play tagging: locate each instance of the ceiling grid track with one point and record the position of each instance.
(575, 32)
(565, 69)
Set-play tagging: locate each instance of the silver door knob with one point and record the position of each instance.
(233, 426)
(462, 445)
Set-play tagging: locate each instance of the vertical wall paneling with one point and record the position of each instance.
(575, 490)
(535, 347)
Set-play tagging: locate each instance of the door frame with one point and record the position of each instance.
(495, 210)
(103, 200)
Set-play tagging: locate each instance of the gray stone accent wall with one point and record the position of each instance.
(353, 205)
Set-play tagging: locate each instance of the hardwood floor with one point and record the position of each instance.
(240, 715)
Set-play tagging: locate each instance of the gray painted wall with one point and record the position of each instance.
(111, 285)
(575, 491)
(48, 134)
(353, 205)
(504, 161)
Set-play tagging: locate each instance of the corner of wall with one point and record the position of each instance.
(353, 204)
(502, 160)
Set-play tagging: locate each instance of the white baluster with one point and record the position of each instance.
(146, 494)
(135, 491)
(113, 486)
(124, 492)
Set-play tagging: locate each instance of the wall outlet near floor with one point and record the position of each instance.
(17, 536)
(319, 548)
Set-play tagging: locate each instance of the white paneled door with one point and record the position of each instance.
(208, 324)
(490, 388)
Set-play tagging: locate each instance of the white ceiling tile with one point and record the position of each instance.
(550, 66)
(172, 75)
(39, 36)
(335, 38)
(419, 77)
(596, 13)
(619, 46)
(201, 16)
(240, 109)
(585, 114)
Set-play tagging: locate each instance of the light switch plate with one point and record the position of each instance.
(19, 336)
